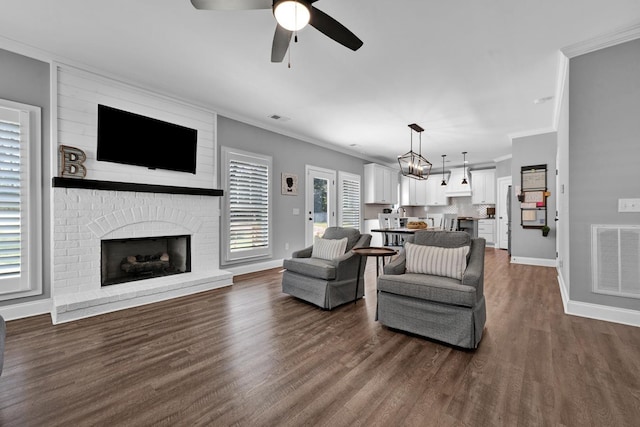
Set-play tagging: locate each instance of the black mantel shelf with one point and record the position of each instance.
(91, 184)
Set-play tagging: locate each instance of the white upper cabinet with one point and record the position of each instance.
(484, 187)
(437, 193)
(380, 184)
(413, 192)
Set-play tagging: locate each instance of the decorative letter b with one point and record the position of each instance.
(71, 162)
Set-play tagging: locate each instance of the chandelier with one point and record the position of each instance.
(412, 164)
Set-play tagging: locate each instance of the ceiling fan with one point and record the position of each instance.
(291, 15)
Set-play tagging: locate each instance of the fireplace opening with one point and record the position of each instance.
(126, 260)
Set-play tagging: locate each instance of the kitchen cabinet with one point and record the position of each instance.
(483, 183)
(413, 192)
(487, 230)
(437, 193)
(380, 184)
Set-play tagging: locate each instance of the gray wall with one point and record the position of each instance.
(503, 168)
(529, 151)
(26, 80)
(289, 155)
(604, 150)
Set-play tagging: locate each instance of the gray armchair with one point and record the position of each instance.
(442, 308)
(327, 283)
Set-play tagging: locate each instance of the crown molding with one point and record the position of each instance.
(531, 132)
(611, 38)
(503, 158)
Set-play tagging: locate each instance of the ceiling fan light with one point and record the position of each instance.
(292, 15)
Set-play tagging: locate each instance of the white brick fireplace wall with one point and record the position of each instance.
(84, 217)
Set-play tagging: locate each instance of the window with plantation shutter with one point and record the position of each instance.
(9, 199)
(349, 200)
(247, 211)
(19, 200)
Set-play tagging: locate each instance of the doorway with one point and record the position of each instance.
(320, 202)
(502, 208)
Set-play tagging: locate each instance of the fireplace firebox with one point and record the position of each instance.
(126, 260)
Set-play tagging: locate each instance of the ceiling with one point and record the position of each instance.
(467, 71)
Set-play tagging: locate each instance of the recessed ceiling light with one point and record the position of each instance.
(542, 100)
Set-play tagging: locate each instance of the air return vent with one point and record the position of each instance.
(615, 253)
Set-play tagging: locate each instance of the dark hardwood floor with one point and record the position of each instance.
(249, 355)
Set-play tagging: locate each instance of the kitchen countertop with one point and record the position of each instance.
(470, 218)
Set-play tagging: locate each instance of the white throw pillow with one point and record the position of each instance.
(329, 248)
(447, 262)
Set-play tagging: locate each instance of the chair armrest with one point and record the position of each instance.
(363, 242)
(397, 266)
(474, 274)
(303, 253)
(343, 258)
(347, 265)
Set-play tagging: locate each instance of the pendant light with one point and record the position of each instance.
(412, 164)
(464, 163)
(443, 181)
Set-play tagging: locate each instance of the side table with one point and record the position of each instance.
(371, 252)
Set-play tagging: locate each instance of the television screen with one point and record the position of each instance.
(132, 139)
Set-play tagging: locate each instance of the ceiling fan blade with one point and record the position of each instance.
(231, 4)
(333, 29)
(281, 40)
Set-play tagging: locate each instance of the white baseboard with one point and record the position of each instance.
(597, 311)
(564, 292)
(541, 262)
(67, 308)
(26, 309)
(603, 312)
(252, 268)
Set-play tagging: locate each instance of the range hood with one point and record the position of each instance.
(455, 188)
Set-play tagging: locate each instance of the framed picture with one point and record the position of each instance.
(289, 184)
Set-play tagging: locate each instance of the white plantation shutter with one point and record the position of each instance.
(10, 219)
(20, 201)
(247, 214)
(349, 200)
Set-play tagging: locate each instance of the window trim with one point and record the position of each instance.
(31, 282)
(228, 154)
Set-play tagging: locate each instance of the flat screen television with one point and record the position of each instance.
(132, 139)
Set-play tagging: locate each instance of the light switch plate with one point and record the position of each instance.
(296, 211)
(628, 205)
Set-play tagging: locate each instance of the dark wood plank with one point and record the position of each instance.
(251, 355)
